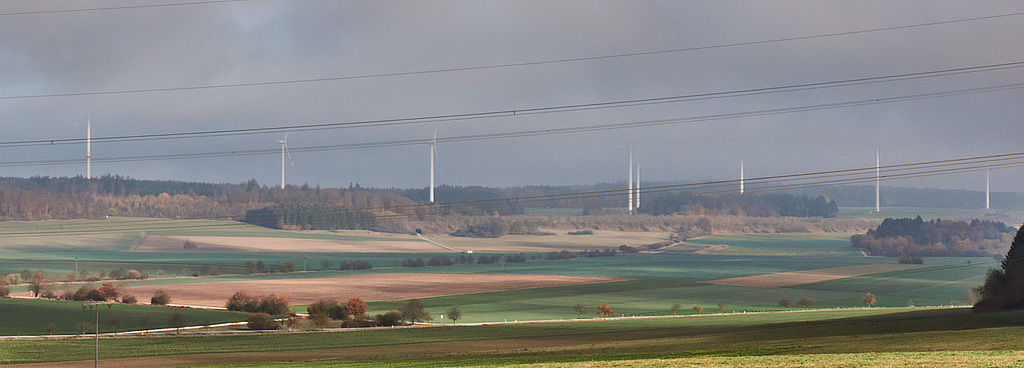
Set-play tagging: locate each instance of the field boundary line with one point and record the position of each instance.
(438, 244)
(138, 242)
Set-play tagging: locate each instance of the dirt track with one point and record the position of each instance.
(370, 287)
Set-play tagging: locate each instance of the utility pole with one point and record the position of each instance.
(96, 307)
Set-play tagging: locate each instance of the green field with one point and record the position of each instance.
(755, 358)
(785, 337)
(31, 316)
(658, 280)
(653, 283)
(662, 280)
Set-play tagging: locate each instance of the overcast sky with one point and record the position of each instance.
(75, 54)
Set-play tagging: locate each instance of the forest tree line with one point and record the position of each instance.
(915, 237)
(297, 216)
(755, 205)
(46, 198)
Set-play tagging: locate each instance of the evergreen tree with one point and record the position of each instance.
(1004, 289)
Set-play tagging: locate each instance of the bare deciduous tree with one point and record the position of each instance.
(454, 313)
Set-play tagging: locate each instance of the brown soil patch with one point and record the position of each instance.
(257, 244)
(784, 279)
(369, 287)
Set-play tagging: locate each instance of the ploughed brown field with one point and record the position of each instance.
(369, 287)
(784, 279)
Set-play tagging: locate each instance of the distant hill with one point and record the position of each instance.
(44, 198)
(40, 198)
(864, 196)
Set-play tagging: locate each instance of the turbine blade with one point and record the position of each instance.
(289, 152)
(437, 158)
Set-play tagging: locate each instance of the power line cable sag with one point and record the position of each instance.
(109, 8)
(523, 133)
(495, 66)
(525, 111)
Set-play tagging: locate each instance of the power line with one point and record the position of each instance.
(107, 8)
(495, 66)
(523, 133)
(526, 111)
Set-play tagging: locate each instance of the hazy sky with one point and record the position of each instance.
(69, 54)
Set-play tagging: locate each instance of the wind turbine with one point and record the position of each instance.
(284, 150)
(630, 190)
(433, 153)
(878, 182)
(638, 186)
(88, 147)
(741, 176)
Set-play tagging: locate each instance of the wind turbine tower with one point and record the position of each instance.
(88, 148)
(433, 151)
(878, 183)
(638, 186)
(284, 150)
(630, 190)
(987, 192)
(741, 176)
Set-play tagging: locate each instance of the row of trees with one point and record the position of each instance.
(255, 303)
(603, 310)
(910, 238)
(355, 265)
(757, 205)
(495, 227)
(83, 275)
(466, 258)
(41, 287)
(353, 313)
(260, 267)
(43, 198)
(301, 216)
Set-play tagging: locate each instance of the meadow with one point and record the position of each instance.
(32, 316)
(658, 280)
(653, 283)
(939, 336)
